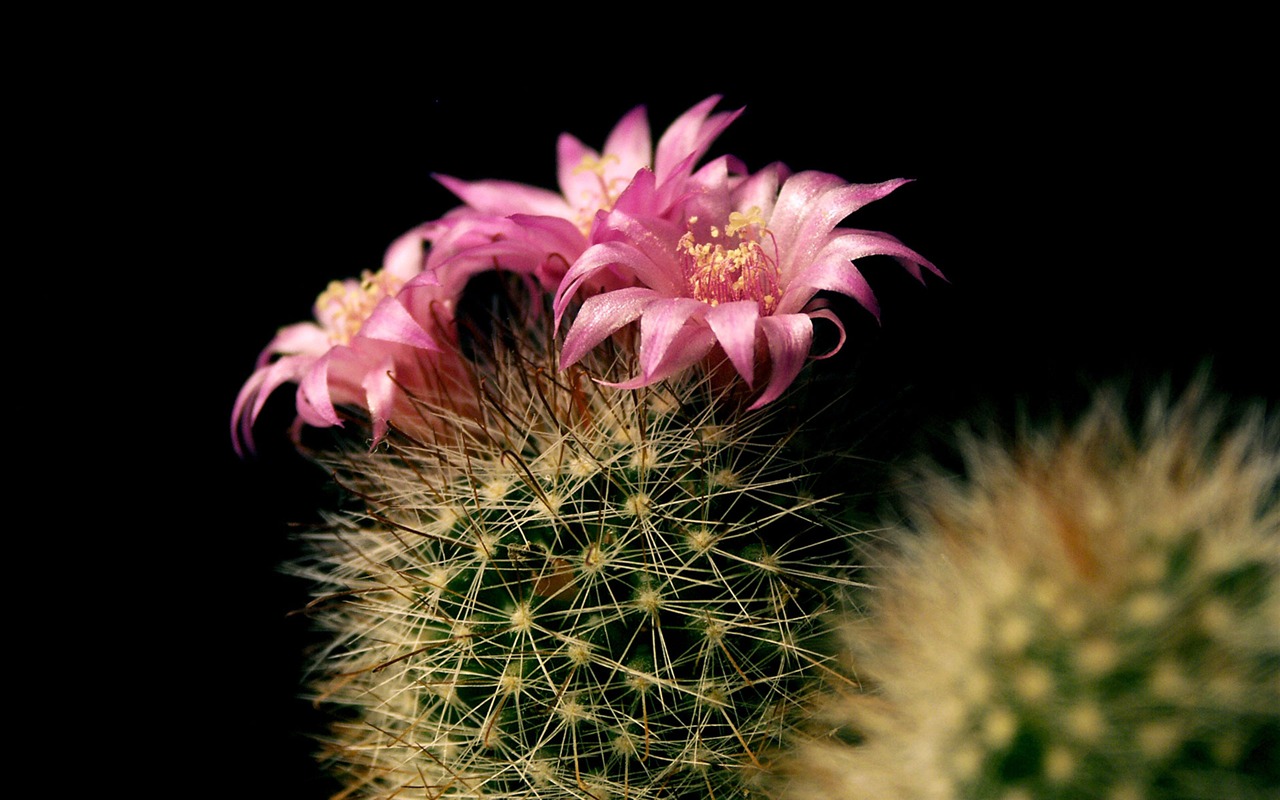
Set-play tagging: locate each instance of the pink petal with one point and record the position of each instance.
(655, 239)
(380, 390)
(302, 338)
(528, 244)
(506, 197)
(448, 264)
(253, 396)
(630, 141)
(830, 317)
(599, 317)
(525, 256)
(834, 274)
(789, 337)
(660, 327)
(553, 234)
(615, 255)
(691, 134)
(570, 152)
(431, 301)
(315, 407)
(558, 243)
(761, 189)
(734, 325)
(407, 255)
(911, 263)
(627, 150)
(820, 217)
(640, 198)
(708, 193)
(832, 271)
(692, 345)
(391, 322)
(794, 200)
(460, 229)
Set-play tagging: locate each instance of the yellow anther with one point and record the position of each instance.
(604, 196)
(718, 274)
(739, 220)
(596, 164)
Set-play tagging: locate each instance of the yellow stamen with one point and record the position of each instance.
(738, 220)
(720, 274)
(344, 306)
(602, 198)
(591, 163)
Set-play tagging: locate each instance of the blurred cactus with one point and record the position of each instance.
(584, 592)
(1092, 614)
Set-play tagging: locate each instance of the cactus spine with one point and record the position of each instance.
(582, 593)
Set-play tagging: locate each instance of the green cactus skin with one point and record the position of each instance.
(589, 593)
(1092, 615)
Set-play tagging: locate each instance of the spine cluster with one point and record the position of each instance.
(581, 593)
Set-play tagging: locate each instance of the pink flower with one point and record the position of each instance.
(557, 228)
(388, 339)
(363, 340)
(737, 277)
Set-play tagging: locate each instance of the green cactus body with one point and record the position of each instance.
(587, 593)
(1090, 616)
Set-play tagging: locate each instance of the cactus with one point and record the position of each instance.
(588, 556)
(1093, 614)
(584, 592)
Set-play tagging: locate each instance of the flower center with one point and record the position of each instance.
(719, 273)
(603, 198)
(343, 307)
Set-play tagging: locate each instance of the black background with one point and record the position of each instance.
(1100, 214)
